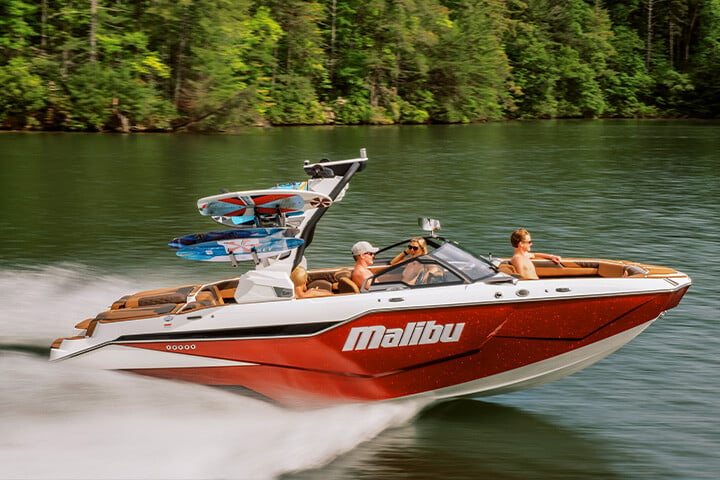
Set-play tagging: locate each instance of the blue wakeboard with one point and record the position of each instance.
(239, 250)
(195, 238)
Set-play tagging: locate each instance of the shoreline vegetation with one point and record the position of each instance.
(220, 65)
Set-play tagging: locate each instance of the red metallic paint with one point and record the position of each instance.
(314, 370)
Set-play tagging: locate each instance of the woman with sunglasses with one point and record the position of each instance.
(416, 248)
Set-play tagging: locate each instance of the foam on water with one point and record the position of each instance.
(43, 303)
(62, 422)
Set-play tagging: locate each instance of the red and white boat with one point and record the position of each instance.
(468, 328)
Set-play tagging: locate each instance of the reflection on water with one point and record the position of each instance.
(469, 439)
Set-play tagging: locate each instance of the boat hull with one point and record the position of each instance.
(413, 350)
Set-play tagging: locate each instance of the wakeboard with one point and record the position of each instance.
(254, 203)
(195, 238)
(240, 249)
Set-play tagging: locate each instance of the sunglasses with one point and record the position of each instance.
(369, 253)
(413, 247)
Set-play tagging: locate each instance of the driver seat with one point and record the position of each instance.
(345, 283)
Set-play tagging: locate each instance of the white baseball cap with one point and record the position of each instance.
(363, 247)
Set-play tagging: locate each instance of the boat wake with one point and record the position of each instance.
(42, 301)
(62, 423)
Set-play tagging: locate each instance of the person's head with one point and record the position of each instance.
(299, 276)
(520, 236)
(417, 246)
(364, 249)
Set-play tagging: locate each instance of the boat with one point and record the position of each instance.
(468, 327)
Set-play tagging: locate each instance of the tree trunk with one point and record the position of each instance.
(180, 61)
(690, 30)
(93, 30)
(671, 40)
(333, 21)
(123, 121)
(648, 40)
(43, 23)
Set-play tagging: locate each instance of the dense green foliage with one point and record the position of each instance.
(214, 64)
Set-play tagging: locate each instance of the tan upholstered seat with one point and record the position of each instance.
(321, 284)
(345, 285)
(507, 268)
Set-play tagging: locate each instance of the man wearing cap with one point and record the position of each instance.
(364, 255)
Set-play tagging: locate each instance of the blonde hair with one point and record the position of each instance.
(299, 276)
(423, 244)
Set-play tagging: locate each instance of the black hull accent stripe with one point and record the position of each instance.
(297, 330)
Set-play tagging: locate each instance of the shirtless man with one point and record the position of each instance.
(521, 260)
(364, 255)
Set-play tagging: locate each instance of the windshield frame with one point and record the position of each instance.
(439, 247)
(487, 268)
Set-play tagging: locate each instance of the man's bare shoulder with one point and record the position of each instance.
(518, 259)
(523, 265)
(360, 274)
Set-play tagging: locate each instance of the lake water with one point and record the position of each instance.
(85, 219)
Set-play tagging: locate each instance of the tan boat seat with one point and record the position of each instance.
(155, 297)
(507, 268)
(346, 285)
(137, 312)
(611, 270)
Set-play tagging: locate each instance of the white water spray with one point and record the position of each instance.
(60, 422)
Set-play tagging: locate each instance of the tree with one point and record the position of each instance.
(213, 64)
(704, 65)
(23, 92)
(383, 51)
(300, 71)
(221, 52)
(470, 73)
(559, 50)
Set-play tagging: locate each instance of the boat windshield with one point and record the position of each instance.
(470, 266)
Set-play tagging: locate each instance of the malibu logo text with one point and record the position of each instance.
(414, 333)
